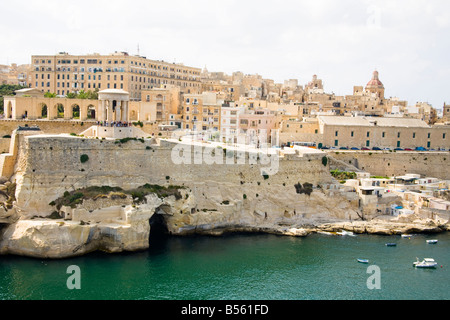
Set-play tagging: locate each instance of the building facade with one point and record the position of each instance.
(64, 73)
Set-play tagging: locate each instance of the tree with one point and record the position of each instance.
(50, 95)
(71, 95)
(7, 90)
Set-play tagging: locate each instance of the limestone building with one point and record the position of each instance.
(15, 74)
(64, 73)
(201, 112)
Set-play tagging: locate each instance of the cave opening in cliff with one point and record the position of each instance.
(158, 230)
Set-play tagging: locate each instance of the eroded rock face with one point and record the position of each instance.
(201, 210)
(195, 213)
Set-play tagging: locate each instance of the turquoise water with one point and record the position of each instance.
(241, 267)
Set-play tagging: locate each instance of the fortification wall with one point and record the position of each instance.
(4, 145)
(429, 164)
(61, 126)
(50, 165)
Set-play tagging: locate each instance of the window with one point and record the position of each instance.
(384, 134)
(398, 135)
(353, 134)
(414, 135)
(368, 134)
(429, 135)
(443, 136)
(336, 133)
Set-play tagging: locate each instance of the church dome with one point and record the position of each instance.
(375, 82)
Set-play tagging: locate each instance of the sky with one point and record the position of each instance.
(341, 41)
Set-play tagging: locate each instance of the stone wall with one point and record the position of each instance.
(429, 164)
(62, 126)
(48, 166)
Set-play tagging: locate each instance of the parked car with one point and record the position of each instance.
(354, 148)
(398, 149)
(343, 148)
(421, 149)
(376, 149)
(364, 148)
(325, 148)
(408, 149)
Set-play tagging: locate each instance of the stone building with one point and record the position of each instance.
(370, 132)
(15, 74)
(201, 112)
(64, 73)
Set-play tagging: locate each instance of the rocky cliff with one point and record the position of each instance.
(75, 195)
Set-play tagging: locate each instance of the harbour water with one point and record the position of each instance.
(241, 267)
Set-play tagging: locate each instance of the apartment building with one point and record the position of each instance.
(64, 73)
(201, 111)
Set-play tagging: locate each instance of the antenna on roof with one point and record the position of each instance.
(138, 49)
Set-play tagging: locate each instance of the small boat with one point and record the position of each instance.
(406, 235)
(327, 233)
(346, 233)
(432, 241)
(426, 263)
(363, 260)
(391, 244)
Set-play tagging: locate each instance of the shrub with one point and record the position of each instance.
(307, 188)
(84, 158)
(325, 161)
(55, 215)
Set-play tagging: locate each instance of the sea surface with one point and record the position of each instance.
(241, 267)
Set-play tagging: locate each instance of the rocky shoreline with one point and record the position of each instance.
(374, 227)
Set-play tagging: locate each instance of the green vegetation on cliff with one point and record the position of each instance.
(343, 175)
(72, 199)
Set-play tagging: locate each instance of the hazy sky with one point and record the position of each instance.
(342, 41)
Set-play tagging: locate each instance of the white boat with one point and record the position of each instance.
(432, 241)
(363, 260)
(426, 263)
(327, 233)
(406, 235)
(346, 233)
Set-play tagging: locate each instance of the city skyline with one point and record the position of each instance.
(343, 42)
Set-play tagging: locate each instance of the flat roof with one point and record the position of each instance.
(373, 121)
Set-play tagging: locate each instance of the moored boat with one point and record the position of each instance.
(432, 241)
(425, 263)
(391, 244)
(363, 260)
(346, 233)
(406, 236)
